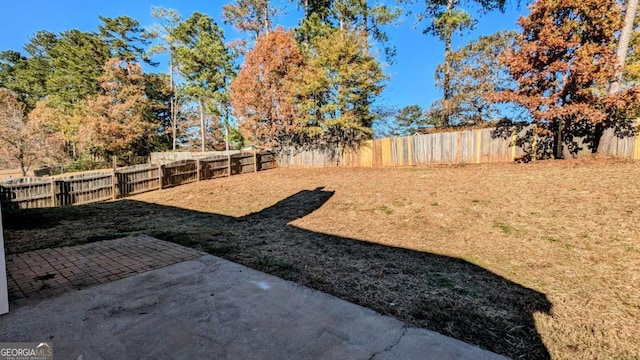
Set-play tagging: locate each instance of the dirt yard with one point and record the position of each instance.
(528, 260)
(11, 173)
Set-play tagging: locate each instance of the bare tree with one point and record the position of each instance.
(24, 141)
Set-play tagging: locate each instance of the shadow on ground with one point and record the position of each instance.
(441, 293)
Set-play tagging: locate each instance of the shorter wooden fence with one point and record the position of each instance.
(34, 192)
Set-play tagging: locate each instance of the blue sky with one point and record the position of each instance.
(411, 75)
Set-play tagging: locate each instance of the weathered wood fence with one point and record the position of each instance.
(163, 157)
(455, 147)
(33, 192)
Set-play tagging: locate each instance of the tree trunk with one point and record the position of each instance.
(614, 86)
(365, 26)
(226, 140)
(172, 104)
(605, 141)
(566, 154)
(21, 158)
(446, 83)
(202, 127)
(558, 141)
(266, 18)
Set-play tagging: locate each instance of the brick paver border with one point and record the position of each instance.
(44, 273)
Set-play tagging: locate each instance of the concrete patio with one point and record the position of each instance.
(142, 298)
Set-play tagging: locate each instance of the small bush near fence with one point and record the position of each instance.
(24, 193)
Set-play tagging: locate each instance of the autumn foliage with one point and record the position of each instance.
(119, 113)
(262, 95)
(285, 98)
(562, 63)
(318, 85)
(24, 142)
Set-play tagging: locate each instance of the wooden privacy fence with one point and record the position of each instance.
(455, 147)
(87, 188)
(163, 157)
(136, 179)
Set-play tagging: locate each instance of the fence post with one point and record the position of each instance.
(636, 146)
(160, 176)
(53, 192)
(514, 135)
(64, 193)
(113, 179)
(410, 149)
(228, 164)
(458, 147)
(198, 169)
(534, 143)
(255, 161)
(4, 294)
(478, 146)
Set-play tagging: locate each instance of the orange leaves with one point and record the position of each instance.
(117, 117)
(262, 95)
(564, 56)
(284, 99)
(24, 141)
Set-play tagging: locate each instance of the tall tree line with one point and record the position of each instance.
(313, 85)
(88, 90)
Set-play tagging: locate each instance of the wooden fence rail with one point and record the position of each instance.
(33, 192)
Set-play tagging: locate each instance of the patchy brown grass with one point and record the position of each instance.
(534, 261)
(12, 173)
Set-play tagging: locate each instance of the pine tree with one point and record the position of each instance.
(337, 89)
(445, 18)
(477, 73)
(77, 60)
(126, 39)
(253, 16)
(207, 66)
(168, 20)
